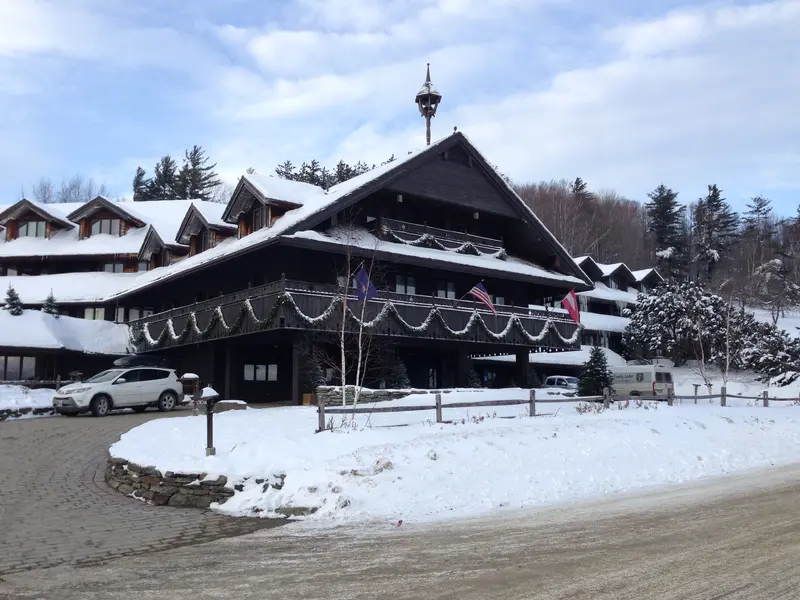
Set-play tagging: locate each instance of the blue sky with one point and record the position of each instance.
(625, 94)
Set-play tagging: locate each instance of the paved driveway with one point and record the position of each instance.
(55, 508)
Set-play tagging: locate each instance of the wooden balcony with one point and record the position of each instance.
(448, 238)
(295, 305)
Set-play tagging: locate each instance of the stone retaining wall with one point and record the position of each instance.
(333, 394)
(15, 413)
(172, 489)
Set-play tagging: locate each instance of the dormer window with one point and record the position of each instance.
(32, 229)
(259, 217)
(108, 226)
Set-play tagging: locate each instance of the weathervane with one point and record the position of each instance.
(428, 100)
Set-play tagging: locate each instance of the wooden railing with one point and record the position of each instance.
(443, 234)
(312, 299)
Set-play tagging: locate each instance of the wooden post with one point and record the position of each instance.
(696, 387)
(532, 407)
(670, 400)
(320, 412)
(438, 408)
(766, 399)
(723, 398)
(606, 397)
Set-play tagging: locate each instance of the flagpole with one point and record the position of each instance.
(465, 295)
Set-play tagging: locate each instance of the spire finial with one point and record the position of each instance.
(427, 101)
(428, 76)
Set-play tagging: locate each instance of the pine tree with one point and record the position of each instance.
(533, 378)
(716, 228)
(665, 223)
(13, 302)
(473, 379)
(311, 374)
(141, 185)
(50, 306)
(197, 179)
(165, 184)
(595, 376)
(398, 376)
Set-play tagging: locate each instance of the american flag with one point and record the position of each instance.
(481, 295)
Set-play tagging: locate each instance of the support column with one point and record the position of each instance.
(296, 371)
(464, 367)
(521, 368)
(228, 387)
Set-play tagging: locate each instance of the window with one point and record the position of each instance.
(119, 316)
(405, 284)
(18, 368)
(206, 240)
(133, 314)
(499, 301)
(152, 374)
(446, 289)
(613, 284)
(489, 378)
(32, 229)
(113, 267)
(258, 217)
(109, 226)
(433, 378)
(12, 272)
(133, 376)
(272, 372)
(255, 372)
(143, 265)
(94, 313)
(583, 303)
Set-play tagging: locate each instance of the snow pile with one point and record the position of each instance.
(16, 396)
(35, 329)
(571, 358)
(418, 470)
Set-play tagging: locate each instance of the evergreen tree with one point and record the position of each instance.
(533, 378)
(314, 173)
(665, 223)
(165, 184)
(311, 374)
(141, 185)
(13, 302)
(473, 379)
(50, 306)
(398, 375)
(716, 227)
(197, 179)
(595, 376)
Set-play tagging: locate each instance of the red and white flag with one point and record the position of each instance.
(571, 304)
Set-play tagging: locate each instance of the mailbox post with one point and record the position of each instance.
(194, 381)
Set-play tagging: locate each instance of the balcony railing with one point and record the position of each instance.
(287, 304)
(448, 235)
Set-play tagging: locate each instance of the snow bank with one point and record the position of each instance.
(395, 466)
(571, 358)
(16, 396)
(35, 329)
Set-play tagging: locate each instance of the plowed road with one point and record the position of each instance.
(736, 538)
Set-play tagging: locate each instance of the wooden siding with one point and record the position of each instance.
(456, 183)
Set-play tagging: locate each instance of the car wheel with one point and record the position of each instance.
(167, 401)
(100, 406)
(140, 409)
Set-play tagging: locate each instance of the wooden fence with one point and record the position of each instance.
(531, 401)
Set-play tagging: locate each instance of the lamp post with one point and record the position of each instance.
(428, 100)
(211, 397)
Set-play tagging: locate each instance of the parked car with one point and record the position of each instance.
(561, 381)
(643, 380)
(136, 388)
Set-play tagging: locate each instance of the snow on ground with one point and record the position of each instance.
(789, 323)
(393, 466)
(17, 396)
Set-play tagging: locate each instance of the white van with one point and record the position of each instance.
(642, 380)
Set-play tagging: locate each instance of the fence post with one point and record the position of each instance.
(532, 407)
(321, 412)
(766, 398)
(696, 387)
(723, 397)
(670, 400)
(606, 397)
(438, 408)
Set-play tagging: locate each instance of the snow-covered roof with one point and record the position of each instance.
(283, 190)
(165, 216)
(609, 269)
(361, 238)
(67, 243)
(212, 213)
(570, 358)
(602, 292)
(68, 288)
(643, 274)
(35, 329)
(57, 212)
(597, 322)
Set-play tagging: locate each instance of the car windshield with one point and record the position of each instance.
(105, 376)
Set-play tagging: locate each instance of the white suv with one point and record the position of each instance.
(136, 388)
